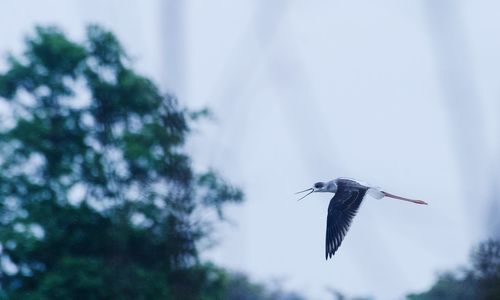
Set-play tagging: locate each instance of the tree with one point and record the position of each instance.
(480, 281)
(98, 198)
(237, 286)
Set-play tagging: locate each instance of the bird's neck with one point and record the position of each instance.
(331, 187)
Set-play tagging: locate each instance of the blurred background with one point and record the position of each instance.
(400, 94)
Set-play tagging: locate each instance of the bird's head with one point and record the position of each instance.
(320, 187)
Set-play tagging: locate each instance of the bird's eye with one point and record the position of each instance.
(318, 185)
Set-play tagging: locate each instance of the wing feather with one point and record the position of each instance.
(341, 210)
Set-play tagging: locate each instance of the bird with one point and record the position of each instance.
(348, 195)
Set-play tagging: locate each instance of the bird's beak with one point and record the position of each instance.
(310, 190)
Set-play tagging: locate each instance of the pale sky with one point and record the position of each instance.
(401, 94)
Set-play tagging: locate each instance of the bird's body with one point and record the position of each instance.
(349, 193)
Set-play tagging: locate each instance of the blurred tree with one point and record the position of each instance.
(98, 199)
(239, 287)
(480, 281)
(338, 295)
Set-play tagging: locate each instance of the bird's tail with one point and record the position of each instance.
(376, 192)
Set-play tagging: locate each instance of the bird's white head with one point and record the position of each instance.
(320, 187)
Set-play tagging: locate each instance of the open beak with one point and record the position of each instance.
(404, 199)
(310, 190)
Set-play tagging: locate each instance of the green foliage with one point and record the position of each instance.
(239, 287)
(480, 281)
(98, 199)
(338, 295)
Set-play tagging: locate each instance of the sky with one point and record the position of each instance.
(400, 94)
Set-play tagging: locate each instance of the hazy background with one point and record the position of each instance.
(401, 94)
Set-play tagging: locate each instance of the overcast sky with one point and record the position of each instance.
(401, 94)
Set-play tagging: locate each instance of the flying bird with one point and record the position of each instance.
(349, 194)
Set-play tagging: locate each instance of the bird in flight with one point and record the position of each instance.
(349, 194)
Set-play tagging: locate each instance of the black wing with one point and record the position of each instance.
(342, 208)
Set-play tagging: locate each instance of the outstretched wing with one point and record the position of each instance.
(342, 208)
